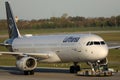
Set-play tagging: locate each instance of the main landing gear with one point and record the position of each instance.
(75, 68)
(29, 72)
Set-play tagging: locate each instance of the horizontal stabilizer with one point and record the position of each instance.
(2, 44)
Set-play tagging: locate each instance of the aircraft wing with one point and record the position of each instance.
(114, 47)
(42, 55)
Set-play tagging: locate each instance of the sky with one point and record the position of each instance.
(43, 9)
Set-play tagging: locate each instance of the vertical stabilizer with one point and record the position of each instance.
(12, 27)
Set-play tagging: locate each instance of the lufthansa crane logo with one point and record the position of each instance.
(10, 23)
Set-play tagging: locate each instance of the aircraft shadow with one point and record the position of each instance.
(16, 71)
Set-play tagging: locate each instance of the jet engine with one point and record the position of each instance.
(26, 63)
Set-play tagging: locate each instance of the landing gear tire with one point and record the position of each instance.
(77, 68)
(26, 72)
(74, 69)
(29, 72)
(32, 72)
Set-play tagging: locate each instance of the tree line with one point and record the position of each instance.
(66, 22)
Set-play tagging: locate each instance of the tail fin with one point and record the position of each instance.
(12, 27)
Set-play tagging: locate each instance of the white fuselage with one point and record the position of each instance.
(63, 48)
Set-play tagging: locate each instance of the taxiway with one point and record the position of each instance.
(12, 73)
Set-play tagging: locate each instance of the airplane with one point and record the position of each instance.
(76, 48)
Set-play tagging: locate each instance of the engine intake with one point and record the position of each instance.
(26, 63)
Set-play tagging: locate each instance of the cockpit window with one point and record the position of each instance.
(102, 43)
(91, 43)
(95, 43)
(88, 43)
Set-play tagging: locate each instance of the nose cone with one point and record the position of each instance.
(101, 52)
(97, 53)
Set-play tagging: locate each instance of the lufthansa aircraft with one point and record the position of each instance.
(29, 50)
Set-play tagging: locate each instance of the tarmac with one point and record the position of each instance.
(12, 73)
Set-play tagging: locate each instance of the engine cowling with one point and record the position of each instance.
(26, 63)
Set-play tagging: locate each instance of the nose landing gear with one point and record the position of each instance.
(97, 70)
(98, 67)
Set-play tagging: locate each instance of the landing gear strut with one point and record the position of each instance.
(75, 68)
(29, 72)
(97, 67)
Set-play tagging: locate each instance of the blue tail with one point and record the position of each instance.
(12, 27)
